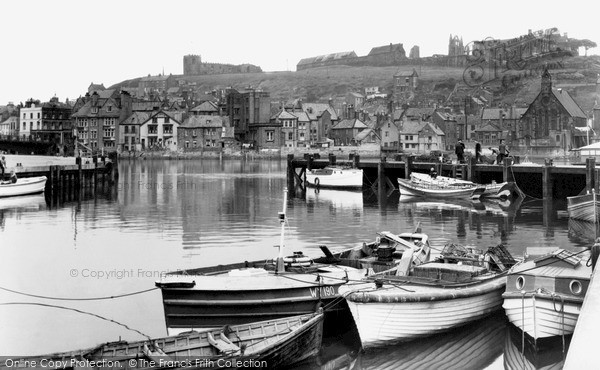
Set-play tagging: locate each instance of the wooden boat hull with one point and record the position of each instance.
(584, 207)
(247, 292)
(391, 315)
(335, 178)
(24, 186)
(542, 315)
(267, 344)
(425, 190)
(213, 304)
(544, 296)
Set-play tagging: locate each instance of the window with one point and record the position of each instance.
(269, 135)
(154, 120)
(126, 129)
(109, 108)
(558, 138)
(290, 136)
(24, 115)
(38, 115)
(30, 115)
(94, 110)
(387, 134)
(194, 143)
(24, 126)
(167, 120)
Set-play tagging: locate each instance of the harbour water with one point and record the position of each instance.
(169, 215)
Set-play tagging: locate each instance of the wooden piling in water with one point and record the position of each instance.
(408, 161)
(547, 180)
(290, 172)
(356, 161)
(507, 173)
(590, 174)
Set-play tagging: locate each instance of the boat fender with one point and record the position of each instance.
(317, 181)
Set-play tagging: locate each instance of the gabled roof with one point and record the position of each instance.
(282, 114)
(175, 116)
(434, 128)
(412, 73)
(326, 57)
(203, 121)
(567, 101)
(490, 127)
(102, 105)
(411, 127)
(105, 94)
(136, 118)
(363, 134)
(445, 116)
(349, 124)
(315, 110)
(302, 116)
(387, 48)
(206, 106)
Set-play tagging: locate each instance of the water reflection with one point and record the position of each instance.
(169, 215)
(474, 346)
(522, 353)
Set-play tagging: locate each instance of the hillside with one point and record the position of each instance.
(578, 75)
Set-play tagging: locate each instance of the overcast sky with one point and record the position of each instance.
(59, 47)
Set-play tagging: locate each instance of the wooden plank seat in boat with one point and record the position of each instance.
(155, 353)
(223, 344)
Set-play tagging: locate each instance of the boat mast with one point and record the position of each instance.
(280, 266)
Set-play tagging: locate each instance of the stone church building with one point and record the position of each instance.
(552, 123)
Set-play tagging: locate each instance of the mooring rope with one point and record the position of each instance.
(78, 299)
(75, 310)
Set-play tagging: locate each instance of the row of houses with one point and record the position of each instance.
(115, 120)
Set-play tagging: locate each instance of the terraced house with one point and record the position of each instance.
(202, 132)
(97, 120)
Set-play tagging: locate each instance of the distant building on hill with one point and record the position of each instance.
(193, 66)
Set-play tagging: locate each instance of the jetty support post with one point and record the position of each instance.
(471, 175)
(332, 159)
(309, 161)
(291, 171)
(547, 180)
(114, 171)
(78, 176)
(356, 160)
(507, 172)
(95, 174)
(590, 174)
(408, 164)
(381, 181)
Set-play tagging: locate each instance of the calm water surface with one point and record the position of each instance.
(168, 215)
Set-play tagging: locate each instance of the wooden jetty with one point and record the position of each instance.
(545, 181)
(64, 180)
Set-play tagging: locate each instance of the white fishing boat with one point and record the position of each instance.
(433, 297)
(420, 189)
(544, 296)
(584, 207)
(23, 186)
(335, 177)
(243, 292)
(492, 190)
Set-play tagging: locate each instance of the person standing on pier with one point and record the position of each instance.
(477, 152)
(460, 151)
(2, 167)
(502, 151)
